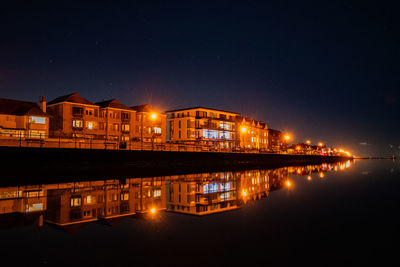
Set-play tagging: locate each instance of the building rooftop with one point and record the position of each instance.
(20, 108)
(220, 110)
(73, 98)
(144, 108)
(113, 103)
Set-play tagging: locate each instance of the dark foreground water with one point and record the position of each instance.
(342, 214)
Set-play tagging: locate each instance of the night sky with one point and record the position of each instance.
(322, 70)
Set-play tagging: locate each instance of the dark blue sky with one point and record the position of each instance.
(322, 70)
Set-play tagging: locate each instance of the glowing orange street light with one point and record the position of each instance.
(320, 144)
(243, 129)
(308, 142)
(287, 137)
(153, 116)
(298, 147)
(153, 210)
(288, 183)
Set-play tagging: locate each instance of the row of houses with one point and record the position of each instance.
(72, 116)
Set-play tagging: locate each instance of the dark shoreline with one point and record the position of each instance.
(53, 165)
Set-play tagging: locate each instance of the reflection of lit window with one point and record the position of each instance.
(125, 196)
(157, 193)
(75, 202)
(34, 207)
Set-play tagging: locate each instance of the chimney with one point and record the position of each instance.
(43, 104)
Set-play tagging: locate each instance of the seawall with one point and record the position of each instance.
(56, 165)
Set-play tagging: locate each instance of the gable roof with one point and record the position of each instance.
(20, 108)
(113, 103)
(73, 98)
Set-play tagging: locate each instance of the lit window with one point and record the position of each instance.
(34, 207)
(38, 120)
(77, 123)
(157, 193)
(76, 202)
(157, 130)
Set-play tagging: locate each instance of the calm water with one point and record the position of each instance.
(341, 214)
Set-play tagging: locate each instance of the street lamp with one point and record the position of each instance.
(244, 131)
(308, 142)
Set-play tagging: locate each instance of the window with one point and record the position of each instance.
(77, 111)
(38, 120)
(180, 134)
(76, 201)
(91, 125)
(157, 130)
(77, 123)
(34, 207)
(125, 116)
(157, 193)
(188, 134)
(116, 127)
(89, 112)
(179, 124)
(124, 196)
(125, 127)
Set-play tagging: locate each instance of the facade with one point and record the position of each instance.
(74, 117)
(276, 140)
(203, 194)
(118, 120)
(202, 126)
(252, 134)
(23, 119)
(150, 125)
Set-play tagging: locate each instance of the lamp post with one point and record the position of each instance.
(153, 117)
(243, 129)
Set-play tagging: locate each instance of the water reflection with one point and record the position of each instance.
(67, 204)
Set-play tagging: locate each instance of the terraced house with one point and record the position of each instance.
(253, 134)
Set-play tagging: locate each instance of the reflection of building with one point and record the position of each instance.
(253, 134)
(203, 194)
(197, 194)
(202, 126)
(23, 119)
(150, 125)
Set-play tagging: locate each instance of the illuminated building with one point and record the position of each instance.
(74, 117)
(118, 120)
(21, 119)
(202, 126)
(150, 125)
(253, 134)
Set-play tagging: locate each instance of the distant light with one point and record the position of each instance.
(298, 147)
(347, 153)
(287, 137)
(153, 210)
(320, 144)
(308, 142)
(309, 178)
(298, 171)
(244, 193)
(321, 174)
(288, 183)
